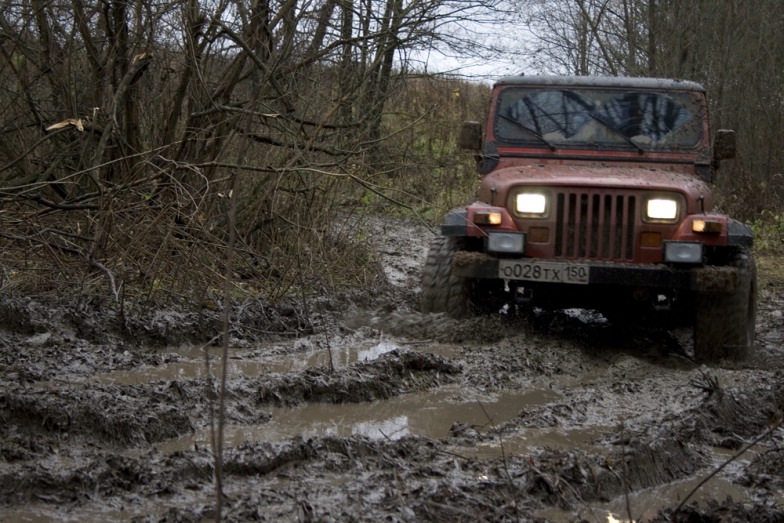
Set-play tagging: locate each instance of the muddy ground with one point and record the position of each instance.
(357, 408)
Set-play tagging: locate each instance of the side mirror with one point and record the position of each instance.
(470, 136)
(724, 145)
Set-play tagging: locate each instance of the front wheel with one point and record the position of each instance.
(442, 291)
(725, 320)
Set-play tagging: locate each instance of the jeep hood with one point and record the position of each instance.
(631, 178)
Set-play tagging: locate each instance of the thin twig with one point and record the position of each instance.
(225, 351)
(625, 479)
(100, 266)
(506, 461)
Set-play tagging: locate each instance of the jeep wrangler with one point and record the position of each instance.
(595, 193)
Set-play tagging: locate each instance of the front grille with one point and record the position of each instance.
(594, 225)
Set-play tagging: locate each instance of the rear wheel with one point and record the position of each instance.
(724, 324)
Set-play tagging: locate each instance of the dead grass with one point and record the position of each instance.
(770, 269)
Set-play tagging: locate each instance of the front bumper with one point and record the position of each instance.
(702, 278)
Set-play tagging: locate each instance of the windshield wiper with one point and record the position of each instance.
(534, 132)
(611, 127)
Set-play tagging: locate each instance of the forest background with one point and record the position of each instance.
(161, 151)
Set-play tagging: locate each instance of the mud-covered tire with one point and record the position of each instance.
(724, 325)
(442, 291)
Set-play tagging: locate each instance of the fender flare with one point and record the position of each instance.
(455, 222)
(739, 234)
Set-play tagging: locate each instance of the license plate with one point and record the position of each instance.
(551, 272)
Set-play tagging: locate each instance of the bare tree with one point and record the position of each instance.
(731, 47)
(122, 122)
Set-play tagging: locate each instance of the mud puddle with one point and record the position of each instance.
(428, 414)
(42, 513)
(644, 505)
(200, 362)
(547, 419)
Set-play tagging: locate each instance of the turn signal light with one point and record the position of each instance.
(488, 218)
(651, 239)
(538, 235)
(706, 226)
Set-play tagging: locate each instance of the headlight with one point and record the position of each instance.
(531, 204)
(683, 252)
(506, 242)
(665, 209)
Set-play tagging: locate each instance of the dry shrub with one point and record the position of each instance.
(153, 229)
(166, 241)
(420, 165)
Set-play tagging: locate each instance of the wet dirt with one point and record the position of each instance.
(366, 410)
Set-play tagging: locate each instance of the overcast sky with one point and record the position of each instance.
(502, 35)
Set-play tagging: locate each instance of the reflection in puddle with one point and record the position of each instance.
(429, 414)
(393, 428)
(376, 351)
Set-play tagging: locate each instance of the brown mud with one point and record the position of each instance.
(361, 409)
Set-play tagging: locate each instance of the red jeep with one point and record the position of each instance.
(596, 194)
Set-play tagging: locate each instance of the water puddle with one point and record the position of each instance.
(244, 362)
(53, 509)
(552, 438)
(645, 505)
(429, 414)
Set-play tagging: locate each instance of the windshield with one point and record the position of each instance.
(584, 117)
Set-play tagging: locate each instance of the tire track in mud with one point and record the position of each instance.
(631, 411)
(425, 478)
(431, 475)
(133, 415)
(394, 373)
